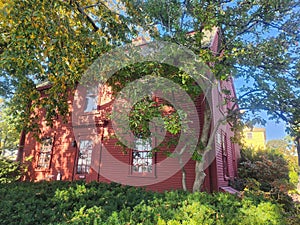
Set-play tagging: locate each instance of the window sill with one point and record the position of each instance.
(42, 170)
(226, 178)
(143, 175)
(81, 175)
(93, 112)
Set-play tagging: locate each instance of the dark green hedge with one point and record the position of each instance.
(99, 203)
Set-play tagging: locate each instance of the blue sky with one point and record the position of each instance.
(274, 130)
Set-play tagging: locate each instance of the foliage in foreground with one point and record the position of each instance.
(267, 172)
(98, 203)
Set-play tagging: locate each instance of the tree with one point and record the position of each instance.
(267, 173)
(53, 41)
(10, 171)
(9, 135)
(56, 41)
(287, 148)
(260, 44)
(268, 167)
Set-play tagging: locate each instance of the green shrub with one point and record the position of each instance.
(98, 203)
(9, 170)
(262, 214)
(266, 173)
(269, 168)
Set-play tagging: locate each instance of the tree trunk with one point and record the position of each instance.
(183, 181)
(199, 176)
(21, 147)
(206, 139)
(183, 172)
(199, 167)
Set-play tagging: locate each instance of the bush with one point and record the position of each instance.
(9, 170)
(60, 202)
(269, 168)
(265, 174)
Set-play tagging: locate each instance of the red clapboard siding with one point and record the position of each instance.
(112, 163)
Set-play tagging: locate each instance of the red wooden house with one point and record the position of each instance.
(83, 149)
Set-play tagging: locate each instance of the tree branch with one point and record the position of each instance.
(90, 20)
(276, 26)
(94, 5)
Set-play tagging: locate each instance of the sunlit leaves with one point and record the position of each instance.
(57, 40)
(52, 41)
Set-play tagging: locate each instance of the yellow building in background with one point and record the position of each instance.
(254, 137)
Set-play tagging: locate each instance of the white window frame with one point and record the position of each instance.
(45, 153)
(142, 162)
(84, 159)
(91, 99)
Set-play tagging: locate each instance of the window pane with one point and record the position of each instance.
(45, 153)
(91, 100)
(142, 156)
(85, 156)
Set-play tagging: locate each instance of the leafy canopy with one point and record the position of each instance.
(56, 41)
(52, 41)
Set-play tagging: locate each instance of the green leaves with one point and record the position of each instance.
(52, 41)
(269, 167)
(9, 135)
(100, 203)
(140, 116)
(9, 170)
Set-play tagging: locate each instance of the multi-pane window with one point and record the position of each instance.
(142, 156)
(91, 99)
(85, 156)
(45, 153)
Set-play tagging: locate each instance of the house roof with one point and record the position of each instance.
(43, 85)
(255, 129)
